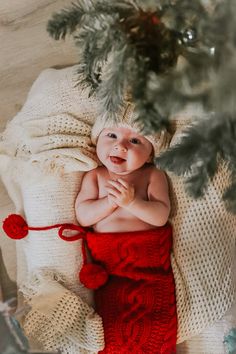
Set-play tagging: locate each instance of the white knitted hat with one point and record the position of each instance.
(160, 141)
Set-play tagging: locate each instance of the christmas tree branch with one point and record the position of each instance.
(197, 154)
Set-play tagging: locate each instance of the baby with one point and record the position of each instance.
(126, 201)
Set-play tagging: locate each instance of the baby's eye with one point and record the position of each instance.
(112, 135)
(135, 141)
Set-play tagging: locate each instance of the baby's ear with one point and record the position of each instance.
(151, 157)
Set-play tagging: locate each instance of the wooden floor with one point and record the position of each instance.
(26, 49)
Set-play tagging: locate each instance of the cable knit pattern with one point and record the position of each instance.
(137, 304)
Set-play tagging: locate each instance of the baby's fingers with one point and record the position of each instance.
(123, 183)
(113, 192)
(116, 185)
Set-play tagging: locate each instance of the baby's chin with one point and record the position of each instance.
(120, 171)
(117, 169)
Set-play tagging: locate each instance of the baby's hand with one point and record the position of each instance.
(111, 201)
(120, 192)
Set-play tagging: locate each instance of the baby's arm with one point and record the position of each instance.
(159, 200)
(154, 211)
(88, 208)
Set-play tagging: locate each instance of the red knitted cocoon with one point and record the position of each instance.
(137, 304)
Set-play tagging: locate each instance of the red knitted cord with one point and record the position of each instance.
(91, 275)
(17, 228)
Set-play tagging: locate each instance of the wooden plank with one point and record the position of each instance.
(27, 49)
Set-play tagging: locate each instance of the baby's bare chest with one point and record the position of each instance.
(121, 219)
(140, 186)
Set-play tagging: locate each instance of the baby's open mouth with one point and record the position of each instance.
(117, 160)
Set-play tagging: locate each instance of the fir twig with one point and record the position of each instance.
(197, 154)
(97, 43)
(66, 21)
(112, 89)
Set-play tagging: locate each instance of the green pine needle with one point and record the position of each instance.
(111, 91)
(66, 21)
(229, 197)
(230, 341)
(197, 154)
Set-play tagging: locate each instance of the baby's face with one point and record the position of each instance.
(122, 150)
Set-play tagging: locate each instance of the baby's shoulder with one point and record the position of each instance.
(100, 171)
(97, 173)
(152, 172)
(93, 178)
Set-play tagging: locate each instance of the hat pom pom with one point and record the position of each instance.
(15, 227)
(93, 276)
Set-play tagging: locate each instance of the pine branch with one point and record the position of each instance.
(197, 184)
(229, 197)
(182, 156)
(121, 7)
(179, 28)
(66, 21)
(197, 154)
(229, 155)
(112, 89)
(150, 113)
(96, 44)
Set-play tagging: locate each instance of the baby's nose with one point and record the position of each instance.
(121, 147)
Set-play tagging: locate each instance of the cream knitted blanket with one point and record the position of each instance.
(43, 151)
(203, 253)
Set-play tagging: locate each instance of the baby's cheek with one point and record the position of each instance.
(141, 157)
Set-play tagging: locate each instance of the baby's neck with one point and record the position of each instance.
(128, 177)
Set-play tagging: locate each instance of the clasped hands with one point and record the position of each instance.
(120, 193)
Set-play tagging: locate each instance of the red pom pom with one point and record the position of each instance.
(15, 227)
(93, 276)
